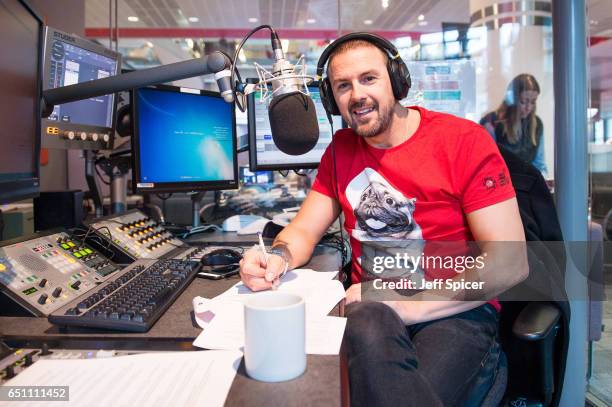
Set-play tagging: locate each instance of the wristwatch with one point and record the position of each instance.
(281, 253)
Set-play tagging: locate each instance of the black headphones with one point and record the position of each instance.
(397, 69)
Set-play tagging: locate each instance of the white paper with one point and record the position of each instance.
(324, 335)
(320, 292)
(201, 378)
(226, 330)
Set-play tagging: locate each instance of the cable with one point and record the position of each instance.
(301, 174)
(115, 221)
(105, 245)
(100, 175)
(168, 195)
(336, 187)
(235, 70)
(201, 229)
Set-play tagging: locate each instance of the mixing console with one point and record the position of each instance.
(133, 235)
(44, 272)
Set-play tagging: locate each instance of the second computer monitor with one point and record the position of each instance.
(184, 140)
(263, 153)
(87, 123)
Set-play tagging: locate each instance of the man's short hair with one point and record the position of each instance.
(351, 45)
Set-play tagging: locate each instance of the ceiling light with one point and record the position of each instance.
(252, 20)
(421, 17)
(385, 3)
(133, 19)
(193, 19)
(367, 22)
(311, 21)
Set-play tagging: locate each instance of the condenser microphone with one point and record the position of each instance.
(292, 113)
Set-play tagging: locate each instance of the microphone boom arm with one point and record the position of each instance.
(209, 64)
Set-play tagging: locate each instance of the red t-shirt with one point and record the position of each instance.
(420, 189)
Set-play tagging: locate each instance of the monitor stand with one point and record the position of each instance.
(196, 223)
(196, 197)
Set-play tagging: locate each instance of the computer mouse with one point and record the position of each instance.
(221, 257)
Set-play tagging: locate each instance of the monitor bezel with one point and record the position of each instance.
(56, 142)
(253, 164)
(177, 186)
(26, 188)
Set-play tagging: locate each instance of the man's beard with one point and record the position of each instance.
(381, 123)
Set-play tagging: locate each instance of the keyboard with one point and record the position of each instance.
(133, 299)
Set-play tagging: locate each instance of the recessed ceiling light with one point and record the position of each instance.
(594, 22)
(385, 3)
(133, 19)
(421, 17)
(422, 23)
(193, 19)
(367, 22)
(311, 21)
(252, 20)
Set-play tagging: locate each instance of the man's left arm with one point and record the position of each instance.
(499, 231)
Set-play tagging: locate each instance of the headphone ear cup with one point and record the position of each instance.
(400, 78)
(327, 97)
(406, 80)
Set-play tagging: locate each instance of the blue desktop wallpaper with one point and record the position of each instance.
(184, 137)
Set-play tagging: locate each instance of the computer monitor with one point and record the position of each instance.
(21, 39)
(184, 140)
(263, 153)
(249, 177)
(87, 123)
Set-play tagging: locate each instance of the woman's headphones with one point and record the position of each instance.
(397, 69)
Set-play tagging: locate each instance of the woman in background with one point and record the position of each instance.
(514, 124)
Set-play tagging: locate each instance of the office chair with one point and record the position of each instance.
(529, 366)
(534, 333)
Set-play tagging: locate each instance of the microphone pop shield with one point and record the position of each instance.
(294, 124)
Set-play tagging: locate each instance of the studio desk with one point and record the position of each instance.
(320, 385)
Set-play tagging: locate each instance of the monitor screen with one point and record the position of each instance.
(184, 140)
(69, 60)
(20, 45)
(258, 177)
(264, 155)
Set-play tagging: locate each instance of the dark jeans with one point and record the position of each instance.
(447, 362)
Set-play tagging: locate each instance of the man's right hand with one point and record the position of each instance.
(256, 274)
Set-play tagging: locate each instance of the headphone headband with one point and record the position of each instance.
(378, 41)
(398, 72)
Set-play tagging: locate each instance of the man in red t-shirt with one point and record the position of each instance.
(404, 174)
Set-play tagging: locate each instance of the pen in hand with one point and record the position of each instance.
(265, 255)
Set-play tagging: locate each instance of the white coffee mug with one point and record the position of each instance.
(275, 336)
